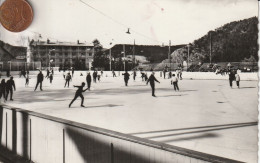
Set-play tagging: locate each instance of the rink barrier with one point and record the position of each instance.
(43, 138)
(251, 76)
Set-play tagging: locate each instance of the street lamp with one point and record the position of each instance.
(50, 57)
(188, 56)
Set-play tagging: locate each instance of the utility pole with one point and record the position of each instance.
(210, 47)
(134, 54)
(188, 56)
(124, 55)
(110, 58)
(169, 55)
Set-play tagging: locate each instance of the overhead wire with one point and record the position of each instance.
(118, 22)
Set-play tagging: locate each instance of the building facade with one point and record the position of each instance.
(62, 54)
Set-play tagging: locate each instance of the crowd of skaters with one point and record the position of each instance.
(8, 87)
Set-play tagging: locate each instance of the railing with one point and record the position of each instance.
(46, 139)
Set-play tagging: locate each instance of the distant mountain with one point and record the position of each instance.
(233, 42)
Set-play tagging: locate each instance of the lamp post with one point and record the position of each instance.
(188, 56)
(124, 55)
(50, 57)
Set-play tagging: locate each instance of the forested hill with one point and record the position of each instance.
(233, 42)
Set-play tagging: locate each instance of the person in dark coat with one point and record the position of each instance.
(88, 79)
(27, 80)
(126, 77)
(39, 80)
(51, 77)
(164, 73)
(152, 80)
(95, 76)
(79, 94)
(3, 89)
(68, 79)
(72, 71)
(134, 73)
(9, 88)
(231, 78)
(48, 73)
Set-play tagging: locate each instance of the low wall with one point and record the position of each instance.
(46, 139)
(185, 75)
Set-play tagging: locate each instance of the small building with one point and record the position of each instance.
(12, 57)
(62, 54)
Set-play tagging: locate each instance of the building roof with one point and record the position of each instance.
(44, 43)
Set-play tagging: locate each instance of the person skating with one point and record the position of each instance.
(237, 79)
(72, 71)
(142, 76)
(145, 77)
(64, 73)
(231, 78)
(39, 80)
(51, 77)
(94, 76)
(68, 79)
(134, 75)
(114, 74)
(102, 73)
(9, 88)
(164, 73)
(98, 77)
(152, 80)
(48, 73)
(79, 94)
(174, 82)
(3, 89)
(88, 79)
(126, 77)
(27, 80)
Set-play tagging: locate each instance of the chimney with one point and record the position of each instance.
(48, 41)
(78, 41)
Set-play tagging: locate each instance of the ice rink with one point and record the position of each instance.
(205, 115)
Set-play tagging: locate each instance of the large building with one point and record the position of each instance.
(62, 54)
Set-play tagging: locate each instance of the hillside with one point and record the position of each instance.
(233, 42)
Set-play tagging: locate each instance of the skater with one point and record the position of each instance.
(237, 79)
(151, 80)
(68, 79)
(164, 72)
(51, 77)
(102, 73)
(126, 77)
(3, 89)
(174, 82)
(64, 73)
(72, 71)
(48, 73)
(27, 80)
(114, 74)
(95, 76)
(98, 77)
(170, 75)
(39, 80)
(231, 78)
(9, 88)
(180, 72)
(146, 77)
(88, 79)
(143, 76)
(52, 71)
(79, 94)
(134, 73)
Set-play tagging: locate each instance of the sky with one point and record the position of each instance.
(151, 22)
